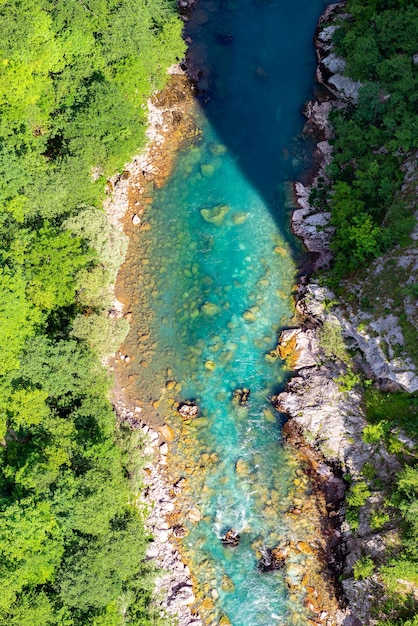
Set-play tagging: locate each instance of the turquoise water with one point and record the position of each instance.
(222, 270)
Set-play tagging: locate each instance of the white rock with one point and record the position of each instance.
(153, 435)
(162, 535)
(164, 448)
(168, 506)
(151, 552)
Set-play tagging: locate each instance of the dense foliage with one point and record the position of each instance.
(74, 79)
(372, 138)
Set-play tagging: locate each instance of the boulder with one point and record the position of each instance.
(241, 396)
(180, 531)
(164, 448)
(272, 559)
(194, 515)
(231, 538)
(300, 347)
(216, 215)
(188, 410)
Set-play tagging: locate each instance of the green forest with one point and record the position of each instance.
(373, 137)
(75, 76)
(371, 216)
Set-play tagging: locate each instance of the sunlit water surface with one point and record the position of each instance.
(222, 270)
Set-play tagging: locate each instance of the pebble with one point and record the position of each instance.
(164, 448)
(174, 585)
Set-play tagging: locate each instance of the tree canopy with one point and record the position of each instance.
(75, 77)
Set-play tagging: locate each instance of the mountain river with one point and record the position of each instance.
(218, 274)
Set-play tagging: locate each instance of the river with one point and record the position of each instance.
(218, 276)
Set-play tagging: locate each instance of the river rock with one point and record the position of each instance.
(194, 515)
(299, 346)
(183, 594)
(188, 410)
(239, 217)
(227, 584)
(163, 448)
(207, 169)
(180, 531)
(217, 149)
(225, 39)
(249, 316)
(241, 396)
(242, 468)
(216, 215)
(231, 538)
(210, 309)
(272, 559)
(167, 433)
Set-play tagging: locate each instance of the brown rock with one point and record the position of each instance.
(180, 531)
(231, 538)
(167, 432)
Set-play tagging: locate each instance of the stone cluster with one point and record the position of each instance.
(326, 421)
(174, 588)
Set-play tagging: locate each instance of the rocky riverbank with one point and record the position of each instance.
(324, 400)
(171, 127)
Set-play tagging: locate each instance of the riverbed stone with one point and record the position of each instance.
(216, 215)
(217, 149)
(240, 217)
(210, 309)
(249, 316)
(163, 448)
(194, 515)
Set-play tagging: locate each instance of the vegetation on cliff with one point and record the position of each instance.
(372, 214)
(74, 79)
(372, 138)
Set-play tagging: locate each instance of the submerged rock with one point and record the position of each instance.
(210, 309)
(207, 169)
(225, 39)
(239, 217)
(217, 149)
(242, 468)
(249, 316)
(215, 215)
(241, 396)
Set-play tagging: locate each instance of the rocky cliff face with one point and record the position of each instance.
(327, 412)
(332, 420)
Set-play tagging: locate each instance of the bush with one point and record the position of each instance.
(358, 494)
(363, 568)
(378, 519)
(331, 340)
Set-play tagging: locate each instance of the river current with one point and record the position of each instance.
(221, 264)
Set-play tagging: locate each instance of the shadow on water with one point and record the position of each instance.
(218, 278)
(254, 64)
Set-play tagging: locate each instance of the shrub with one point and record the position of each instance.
(363, 568)
(332, 342)
(358, 494)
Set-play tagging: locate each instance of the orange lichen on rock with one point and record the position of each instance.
(287, 350)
